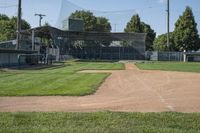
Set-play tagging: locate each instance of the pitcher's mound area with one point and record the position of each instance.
(129, 90)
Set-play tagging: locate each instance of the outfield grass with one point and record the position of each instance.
(170, 66)
(64, 81)
(100, 122)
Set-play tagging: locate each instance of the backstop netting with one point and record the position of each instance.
(99, 45)
(118, 19)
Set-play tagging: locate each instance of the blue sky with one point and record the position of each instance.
(151, 11)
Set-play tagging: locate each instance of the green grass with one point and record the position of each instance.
(170, 66)
(64, 81)
(100, 122)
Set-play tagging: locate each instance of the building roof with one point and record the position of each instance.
(52, 32)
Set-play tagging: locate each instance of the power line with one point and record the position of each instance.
(8, 6)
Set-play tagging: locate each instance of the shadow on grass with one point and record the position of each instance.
(34, 67)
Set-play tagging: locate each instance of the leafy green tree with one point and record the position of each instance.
(135, 25)
(8, 27)
(103, 24)
(91, 22)
(88, 18)
(185, 34)
(160, 43)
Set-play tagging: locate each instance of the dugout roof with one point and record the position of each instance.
(51, 32)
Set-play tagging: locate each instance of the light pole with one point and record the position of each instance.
(168, 23)
(18, 24)
(115, 27)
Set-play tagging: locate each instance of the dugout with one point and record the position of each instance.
(10, 57)
(90, 45)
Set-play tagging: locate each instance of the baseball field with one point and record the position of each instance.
(101, 97)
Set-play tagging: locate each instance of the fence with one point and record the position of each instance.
(108, 53)
(9, 57)
(124, 53)
(35, 59)
(7, 45)
(24, 45)
(164, 56)
(193, 57)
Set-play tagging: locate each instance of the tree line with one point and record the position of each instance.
(184, 37)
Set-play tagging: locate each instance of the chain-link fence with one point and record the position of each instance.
(108, 53)
(164, 56)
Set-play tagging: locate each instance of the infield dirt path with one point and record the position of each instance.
(130, 90)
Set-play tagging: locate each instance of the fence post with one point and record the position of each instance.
(119, 53)
(33, 40)
(184, 56)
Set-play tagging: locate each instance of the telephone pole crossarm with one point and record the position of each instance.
(41, 16)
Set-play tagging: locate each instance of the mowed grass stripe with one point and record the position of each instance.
(170, 66)
(106, 122)
(64, 81)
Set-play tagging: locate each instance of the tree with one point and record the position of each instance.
(3, 17)
(151, 35)
(91, 22)
(103, 24)
(8, 27)
(160, 43)
(135, 25)
(88, 18)
(185, 34)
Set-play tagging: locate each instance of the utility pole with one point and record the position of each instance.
(168, 23)
(41, 16)
(115, 27)
(19, 24)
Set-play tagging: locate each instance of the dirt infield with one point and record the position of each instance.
(130, 90)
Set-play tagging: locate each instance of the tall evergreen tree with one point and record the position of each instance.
(185, 34)
(135, 25)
